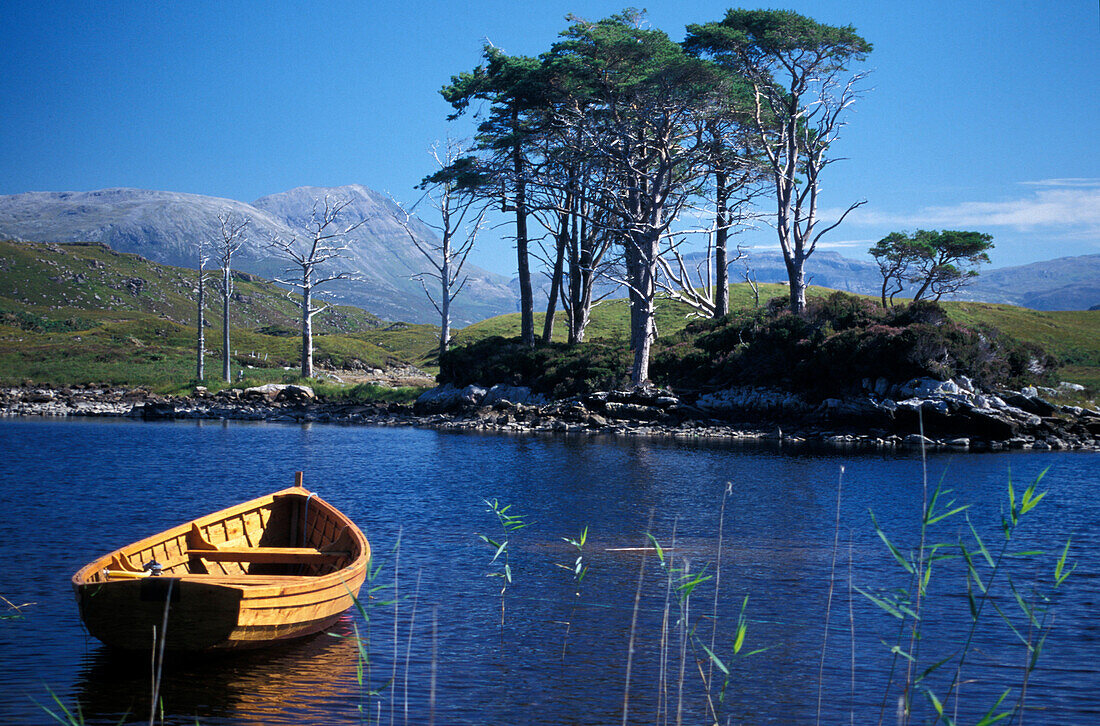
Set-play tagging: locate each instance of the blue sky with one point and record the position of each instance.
(978, 114)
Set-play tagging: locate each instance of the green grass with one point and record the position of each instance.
(1071, 336)
(62, 281)
(366, 393)
(610, 319)
(161, 354)
(82, 313)
(416, 343)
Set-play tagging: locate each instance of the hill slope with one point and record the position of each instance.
(1067, 283)
(165, 226)
(82, 313)
(1072, 336)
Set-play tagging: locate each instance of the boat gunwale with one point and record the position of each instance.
(286, 585)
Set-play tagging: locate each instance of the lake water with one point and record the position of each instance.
(73, 490)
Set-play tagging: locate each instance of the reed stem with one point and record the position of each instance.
(634, 626)
(829, 599)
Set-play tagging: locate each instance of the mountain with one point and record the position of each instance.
(164, 227)
(1067, 283)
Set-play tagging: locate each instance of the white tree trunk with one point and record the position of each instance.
(225, 326)
(307, 324)
(643, 309)
(796, 278)
(445, 303)
(200, 372)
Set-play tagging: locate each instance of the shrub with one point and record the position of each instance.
(841, 340)
(557, 369)
(366, 393)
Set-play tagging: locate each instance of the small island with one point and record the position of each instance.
(848, 371)
(703, 366)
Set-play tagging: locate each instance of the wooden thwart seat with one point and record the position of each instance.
(270, 555)
(198, 546)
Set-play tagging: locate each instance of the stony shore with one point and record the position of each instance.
(954, 416)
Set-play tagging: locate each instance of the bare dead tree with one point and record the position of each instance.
(696, 285)
(703, 284)
(326, 241)
(553, 205)
(232, 228)
(749, 276)
(561, 191)
(557, 228)
(204, 257)
(735, 179)
(461, 219)
(589, 245)
(810, 134)
(580, 259)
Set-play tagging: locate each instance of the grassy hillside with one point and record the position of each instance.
(611, 318)
(92, 278)
(414, 342)
(73, 313)
(1071, 336)
(82, 313)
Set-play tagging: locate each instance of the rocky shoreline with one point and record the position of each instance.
(954, 415)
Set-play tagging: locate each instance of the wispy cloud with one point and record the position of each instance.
(1071, 206)
(827, 244)
(1067, 182)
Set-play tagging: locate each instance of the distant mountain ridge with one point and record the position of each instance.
(164, 227)
(1066, 283)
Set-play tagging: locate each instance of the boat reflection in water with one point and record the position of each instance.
(286, 684)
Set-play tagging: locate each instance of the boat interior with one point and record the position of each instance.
(279, 535)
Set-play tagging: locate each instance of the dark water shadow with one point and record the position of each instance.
(289, 683)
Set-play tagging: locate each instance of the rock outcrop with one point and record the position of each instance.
(952, 414)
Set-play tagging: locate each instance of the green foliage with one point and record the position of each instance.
(509, 523)
(1069, 335)
(32, 322)
(145, 339)
(63, 715)
(840, 340)
(82, 314)
(366, 393)
(370, 696)
(938, 262)
(151, 351)
(579, 568)
(768, 35)
(682, 584)
(985, 569)
(556, 369)
(90, 282)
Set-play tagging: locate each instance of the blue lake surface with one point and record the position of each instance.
(73, 490)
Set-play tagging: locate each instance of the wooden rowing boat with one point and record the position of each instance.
(278, 567)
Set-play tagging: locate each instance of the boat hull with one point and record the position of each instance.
(235, 606)
(208, 616)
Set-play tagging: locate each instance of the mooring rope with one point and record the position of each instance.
(305, 518)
